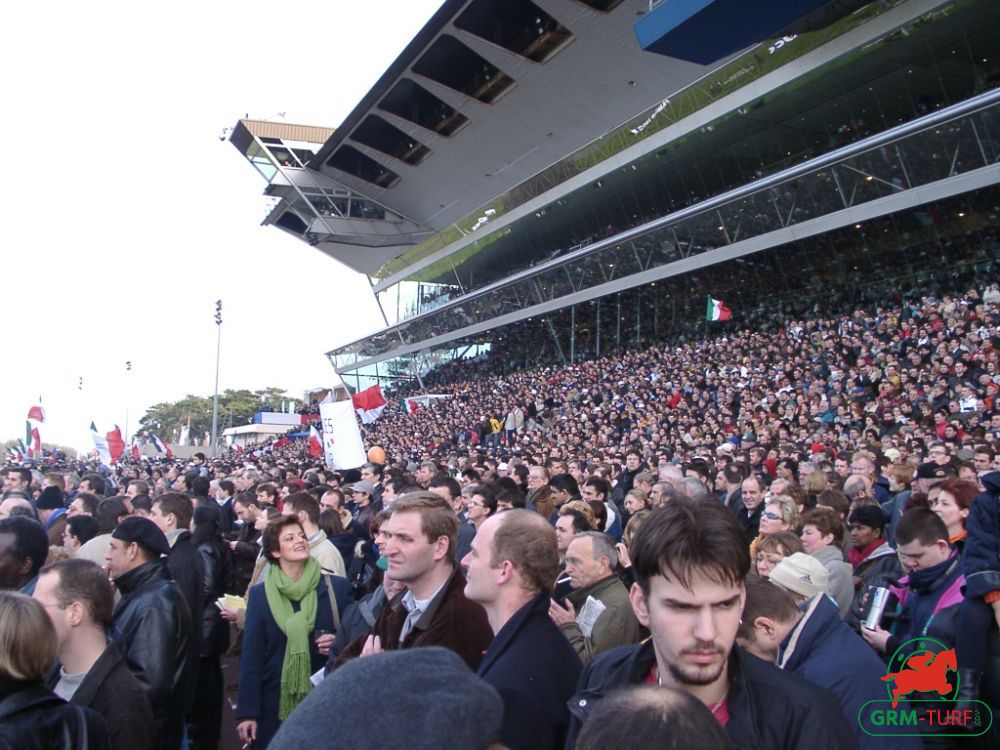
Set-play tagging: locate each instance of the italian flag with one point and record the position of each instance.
(717, 310)
(32, 439)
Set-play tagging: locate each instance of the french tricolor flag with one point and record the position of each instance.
(160, 446)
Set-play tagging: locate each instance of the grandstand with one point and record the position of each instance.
(568, 179)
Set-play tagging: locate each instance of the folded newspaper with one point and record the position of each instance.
(231, 601)
(587, 617)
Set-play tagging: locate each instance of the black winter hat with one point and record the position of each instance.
(431, 699)
(50, 499)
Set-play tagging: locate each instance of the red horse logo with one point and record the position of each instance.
(924, 672)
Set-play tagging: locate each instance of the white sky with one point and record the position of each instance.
(125, 217)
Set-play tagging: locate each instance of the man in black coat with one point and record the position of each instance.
(245, 547)
(172, 513)
(33, 718)
(690, 561)
(225, 500)
(91, 673)
(512, 567)
(751, 507)
(152, 625)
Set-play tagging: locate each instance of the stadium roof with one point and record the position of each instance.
(488, 95)
(490, 116)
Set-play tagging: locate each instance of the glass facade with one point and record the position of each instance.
(335, 202)
(939, 146)
(741, 72)
(392, 373)
(898, 255)
(269, 155)
(937, 60)
(262, 161)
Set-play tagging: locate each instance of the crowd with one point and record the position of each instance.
(685, 546)
(896, 377)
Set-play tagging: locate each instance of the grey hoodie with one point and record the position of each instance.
(840, 585)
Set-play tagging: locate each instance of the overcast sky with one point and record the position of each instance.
(125, 218)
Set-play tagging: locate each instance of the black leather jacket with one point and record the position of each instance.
(244, 558)
(34, 718)
(216, 564)
(152, 627)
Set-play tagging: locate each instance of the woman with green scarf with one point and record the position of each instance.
(280, 648)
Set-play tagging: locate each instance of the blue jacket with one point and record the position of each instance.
(264, 652)
(535, 670)
(929, 603)
(828, 653)
(981, 555)
(880, 488)
(893, 510)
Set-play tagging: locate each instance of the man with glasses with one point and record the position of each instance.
(939, 454)
(92, 673)
(482, 505)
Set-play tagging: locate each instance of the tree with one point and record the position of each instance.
(192, 415)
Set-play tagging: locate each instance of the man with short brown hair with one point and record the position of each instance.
(78, 598)
(420, 545)
(690, 563)
(512, 566)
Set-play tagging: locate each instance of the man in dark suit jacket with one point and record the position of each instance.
(172, 513)
(752, 502)
(512, 567)
(225, 499)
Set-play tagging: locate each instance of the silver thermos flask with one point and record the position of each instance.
(876, 607)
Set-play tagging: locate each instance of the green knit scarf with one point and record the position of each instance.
(297, 666)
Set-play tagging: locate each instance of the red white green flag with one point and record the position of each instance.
(717, 310)
(32, 439)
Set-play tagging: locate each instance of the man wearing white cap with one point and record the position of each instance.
(801, 575)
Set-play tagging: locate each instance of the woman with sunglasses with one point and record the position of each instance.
(780, 514)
